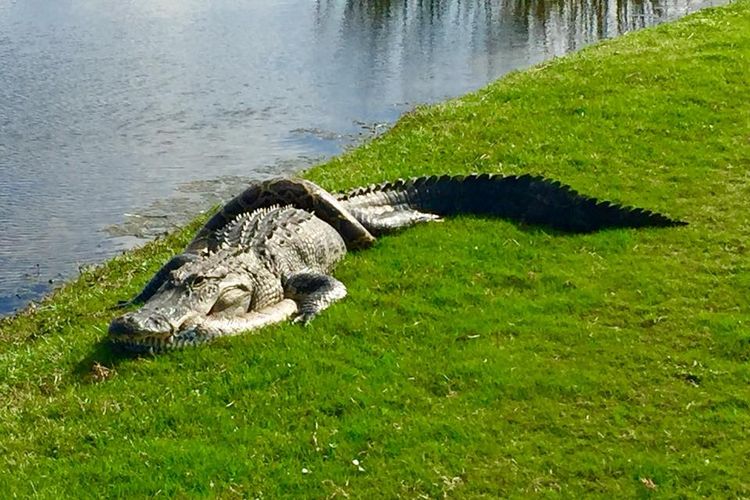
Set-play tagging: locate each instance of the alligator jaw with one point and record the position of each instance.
(151, 332)
(195, 329)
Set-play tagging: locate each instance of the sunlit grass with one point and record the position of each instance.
(472, 357)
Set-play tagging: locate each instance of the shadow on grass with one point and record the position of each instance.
(102, 362)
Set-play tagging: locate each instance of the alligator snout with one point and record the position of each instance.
(137, 323)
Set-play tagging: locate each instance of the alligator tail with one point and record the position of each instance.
(530, 199)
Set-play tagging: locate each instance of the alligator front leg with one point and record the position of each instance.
(313, 293)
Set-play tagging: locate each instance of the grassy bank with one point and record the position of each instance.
(472, 357)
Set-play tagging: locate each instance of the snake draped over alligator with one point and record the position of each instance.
(267, 255)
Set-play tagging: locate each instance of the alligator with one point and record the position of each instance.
(268, 254)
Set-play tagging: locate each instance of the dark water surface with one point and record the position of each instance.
(120, 118)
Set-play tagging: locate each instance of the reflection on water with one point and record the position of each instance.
(108, 107)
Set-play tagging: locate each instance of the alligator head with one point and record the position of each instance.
(195, 303)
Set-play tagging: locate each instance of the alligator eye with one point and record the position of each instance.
(198, 281)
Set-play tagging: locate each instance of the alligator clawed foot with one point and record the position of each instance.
(304, 318)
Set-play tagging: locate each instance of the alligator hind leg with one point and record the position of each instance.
(313, 293)
(387, 221)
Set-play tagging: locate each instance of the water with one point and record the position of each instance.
(120, 118)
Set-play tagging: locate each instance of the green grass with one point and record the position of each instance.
(474, 357)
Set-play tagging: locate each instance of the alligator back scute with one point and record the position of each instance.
(298, 193)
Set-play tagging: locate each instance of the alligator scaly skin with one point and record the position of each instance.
(267, 255)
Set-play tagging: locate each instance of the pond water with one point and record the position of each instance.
(122, 118)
